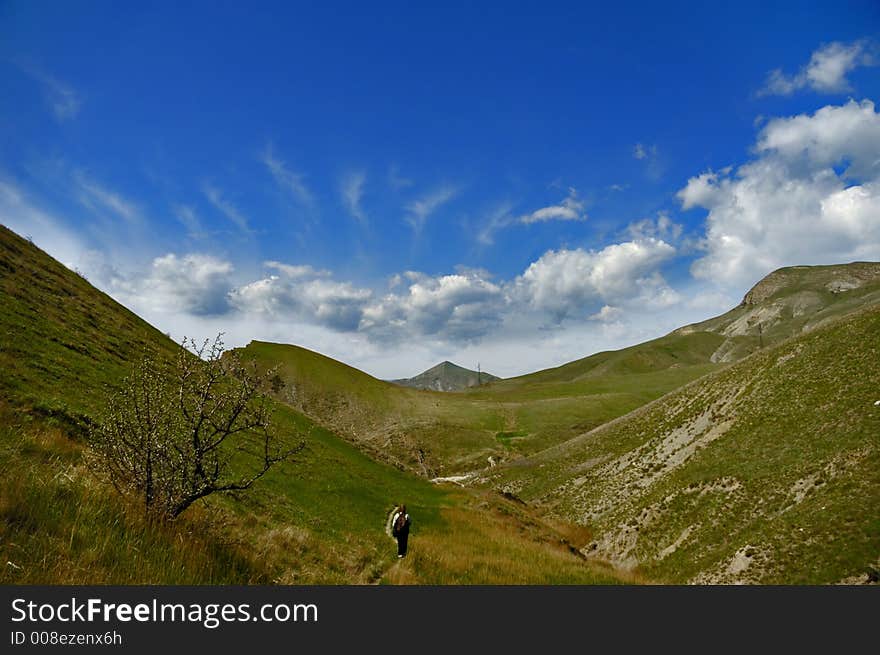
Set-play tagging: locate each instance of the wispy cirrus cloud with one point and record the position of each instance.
(289, 181)
(825, 72)
(225, 207)
(352, 190)
(98, 197)
(418, 211)
(64, 101)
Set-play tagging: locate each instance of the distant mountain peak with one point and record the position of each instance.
(447, 376)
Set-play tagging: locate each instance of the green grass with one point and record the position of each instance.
(800, 428)
(442, 433)
(803, 421)
(319, 518)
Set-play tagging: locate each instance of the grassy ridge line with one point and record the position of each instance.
(63, 340)
(436, 433)
(767, 471)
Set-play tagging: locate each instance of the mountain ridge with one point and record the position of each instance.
(447, 376)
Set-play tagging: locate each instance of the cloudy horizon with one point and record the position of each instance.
(391, 260)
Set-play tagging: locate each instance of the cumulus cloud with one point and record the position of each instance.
(570, 209)
(195, 283)
(825, 72)
(418, 211)
(809, 197)
(303, 294)
(459, 307)
(565, 282)
(465, 306)
(607, 314)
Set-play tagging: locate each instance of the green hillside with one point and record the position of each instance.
(437, 433)
(660, 462)
(788, 302)
(316, 519)
(767, 471)
(440, 434)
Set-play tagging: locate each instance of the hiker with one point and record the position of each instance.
(400, 523)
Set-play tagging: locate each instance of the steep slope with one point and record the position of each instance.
(447, 376)
(790, 301)
(766, 471)
(63, 340)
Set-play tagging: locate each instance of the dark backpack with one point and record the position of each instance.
(399, 524)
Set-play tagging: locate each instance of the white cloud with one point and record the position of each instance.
(457, 307)
(607, 314)
(225, 207)
(663, 227)
(418, 211)
(825, 72)
(194, 284)
(297, 271)
(567, 282)
(352, 189)
(809, 197)
(570, 209)
(290, 181)
(423, 319)
(846, 134)
(303, 294)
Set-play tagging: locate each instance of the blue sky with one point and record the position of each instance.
(518, 185)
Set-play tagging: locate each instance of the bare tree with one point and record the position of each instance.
(172, 439)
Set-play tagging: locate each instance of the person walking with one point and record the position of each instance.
(400, 523)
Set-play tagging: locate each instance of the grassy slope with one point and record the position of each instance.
(63, 340)
(506, 419)
(767, 471)
(790, 301)
(317, 519)
(443, 433)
